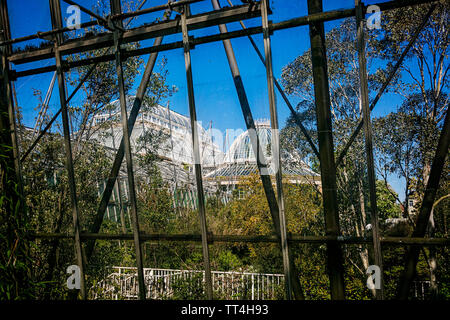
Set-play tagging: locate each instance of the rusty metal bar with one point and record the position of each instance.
(276, 156)
(102, 21)
(170, 5)
(164, 28)
(128, 156)
(46, 34)
(53, 119)
(292, 238)
(57, 22)
(257, 150)
(386, 83)
(281, 91)
(120, 151)
(326, 149)
(412, 254)
(364, 92)
(196, 155)
(342, 13)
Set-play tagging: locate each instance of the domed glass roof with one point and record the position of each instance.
(240, 159)
(241, 149)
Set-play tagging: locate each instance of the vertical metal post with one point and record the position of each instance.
(55, 12)
(260, 158)
(326, 150)
(11, 182)
(120, 152)
(57, 23)
(276, 156)
(128, 155)
(361, 45)
(6, 50)
(196, 151)
(423, 218)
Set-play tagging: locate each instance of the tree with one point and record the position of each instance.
(396, 143)
(405, 140)
(249, 215)
(425, 86)
(387, 202)
(346, 113)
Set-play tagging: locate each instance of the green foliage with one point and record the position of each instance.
(386, 202)
(15, 271)
(404, 140)
(189, 288)
(227, 261)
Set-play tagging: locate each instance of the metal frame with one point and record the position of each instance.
(196, 150)
(325, 152)
(57, 23)
(116, 7)
(364, 91)
(276, 148)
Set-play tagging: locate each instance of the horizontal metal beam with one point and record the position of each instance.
(103, 40)
(301, 21)
(341, 14)
(141, 51)
(401, 241)
(47, 35)
(170, 5)
(24, 57)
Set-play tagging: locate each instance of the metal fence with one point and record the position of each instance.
(122, 283)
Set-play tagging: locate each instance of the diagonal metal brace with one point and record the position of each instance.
(385, 84)
(121, 150)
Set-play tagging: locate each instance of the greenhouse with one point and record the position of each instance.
(224, 150)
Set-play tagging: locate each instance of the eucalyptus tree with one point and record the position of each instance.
(346, 113)
(406, 138)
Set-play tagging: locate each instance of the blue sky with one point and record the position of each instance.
(215, 94)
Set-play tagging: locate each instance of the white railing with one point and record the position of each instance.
(122, 284)
(421, 289)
